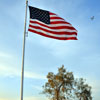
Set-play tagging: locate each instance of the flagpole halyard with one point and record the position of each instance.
(23, 53)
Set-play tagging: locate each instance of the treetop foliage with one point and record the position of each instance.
(63, 86)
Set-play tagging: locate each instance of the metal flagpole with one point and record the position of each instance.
(23, 56)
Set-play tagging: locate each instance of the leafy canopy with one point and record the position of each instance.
(63, 86)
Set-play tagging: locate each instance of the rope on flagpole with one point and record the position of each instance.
(23, 53)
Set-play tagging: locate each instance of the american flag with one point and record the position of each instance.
(50, 25)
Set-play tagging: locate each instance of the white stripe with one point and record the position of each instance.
(53, 30)
(50, 34)
(51, 25)
(51, 16)
(53, 20)
(54, 16)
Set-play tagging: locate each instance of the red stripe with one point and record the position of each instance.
(59, 38)
(51, 13)
(53, 32)
(59, 22)
(55, 27)
(56, 18)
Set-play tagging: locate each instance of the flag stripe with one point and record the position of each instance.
(52, 13)
(55, 17)
(54, 30)
(64, 32)
(53, 20)
(49, 33)
(57, 29)
(55, 37)
(53, 26)
(58, 22)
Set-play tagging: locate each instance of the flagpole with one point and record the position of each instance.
(23, 53)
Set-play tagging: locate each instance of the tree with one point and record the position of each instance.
(63, 86)
(83, 90)
(59, 86)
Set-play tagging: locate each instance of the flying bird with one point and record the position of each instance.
(92, 18)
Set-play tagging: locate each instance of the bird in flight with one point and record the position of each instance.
(92, 18)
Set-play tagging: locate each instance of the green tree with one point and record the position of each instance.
(83, 90)
(63, 86)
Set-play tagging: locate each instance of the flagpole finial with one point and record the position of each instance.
(26, 1)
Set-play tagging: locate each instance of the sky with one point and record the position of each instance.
(43, 55)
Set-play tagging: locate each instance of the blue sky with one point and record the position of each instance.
(44, 55)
